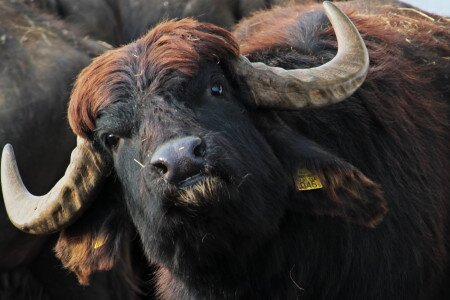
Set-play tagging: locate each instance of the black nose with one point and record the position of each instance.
(179, 159)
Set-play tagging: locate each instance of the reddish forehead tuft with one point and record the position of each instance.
(119, 74)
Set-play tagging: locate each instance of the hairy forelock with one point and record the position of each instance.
(173, 47)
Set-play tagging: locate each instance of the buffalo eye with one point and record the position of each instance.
(112, 141)
(216, 89)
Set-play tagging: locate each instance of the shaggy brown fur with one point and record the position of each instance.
(170, 47)
(100, 240)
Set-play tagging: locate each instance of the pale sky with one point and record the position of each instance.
(440, 7)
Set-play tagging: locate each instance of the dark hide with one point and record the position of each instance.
(379, 227)
(39, 60)
(98, 19)
(46, 279)
(122, 21)
(100, 240)
(34, 91)
(139, 16)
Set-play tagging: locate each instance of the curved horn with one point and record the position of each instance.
(332, 82)
(66, 201)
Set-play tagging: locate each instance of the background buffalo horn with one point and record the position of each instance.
(332, 82)
(66, 200)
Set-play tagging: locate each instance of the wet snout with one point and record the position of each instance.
(180, 160)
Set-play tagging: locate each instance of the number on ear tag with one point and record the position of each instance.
(306, 181)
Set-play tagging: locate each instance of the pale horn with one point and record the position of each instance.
(274, 87)
(65, 202)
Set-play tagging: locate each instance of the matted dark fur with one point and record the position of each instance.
(119, 22)
(39, 60)
(379, 227)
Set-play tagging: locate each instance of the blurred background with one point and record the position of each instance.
(440, 7)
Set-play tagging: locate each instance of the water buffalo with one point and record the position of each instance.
(122, 21)
(39, 61)
(268, 164)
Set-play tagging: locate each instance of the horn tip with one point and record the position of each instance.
(329, 6)
(8, 148)
(7, 156)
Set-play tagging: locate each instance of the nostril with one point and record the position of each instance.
(162, 168)
(199, 150)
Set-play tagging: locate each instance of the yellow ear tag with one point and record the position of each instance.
(306, 181)
(100, 241)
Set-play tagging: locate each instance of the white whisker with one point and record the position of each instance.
(139, 163)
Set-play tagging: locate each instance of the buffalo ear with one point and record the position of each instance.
(98, 241)
(346, 193)
(324, 184)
